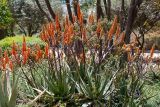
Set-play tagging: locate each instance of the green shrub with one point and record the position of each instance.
(5, 15)
(7, 42)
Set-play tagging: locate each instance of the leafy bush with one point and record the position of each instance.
(7, 42)
(5, 15)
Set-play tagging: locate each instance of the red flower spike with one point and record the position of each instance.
(58, 28)
(13, 51)
(46, 50)
(3, 64)
(98, 30)
(67, 21)
(81, 19)
(152, 51)
(6, 57)
(118, 31)
(11, 65)
(25, 57)
(91, 18)
(78, 10)
(112, 29)
(84, 37)
(24, 46)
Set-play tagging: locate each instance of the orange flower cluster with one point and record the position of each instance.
(6, 61)
(68, 34)
(149, 58)
(58, 27)
(99, 28)
(39, 53)
(55, 36)
(13, 51)
(84, 35)
(113, 28)
(46, 49)
(21, 56)
(91, 18)
(48, 33)
(152, 51)
(80, 15)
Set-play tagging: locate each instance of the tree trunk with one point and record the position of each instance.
(109, 9)
(75, 3)
(12, 29)
(122, 6)
(105, 5)
(3, 33)
(99, 10)
(11, 8)
(69, 10)
(122, 16)
(40, 8)
(50, 9)
(29, 30)
(132, 13)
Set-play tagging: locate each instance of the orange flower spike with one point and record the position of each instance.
(3, 64)
(67, 37)
(52, 29)
(67, 21)
(11, 65)
(28, 52)
(49, 30)
(152, 51)
(78, 10)
(46, 50)
(57, 23)
(25, 57)
(81, 19)
(39, 52)
(84, 37)
(118, 31)
(98, 30)
(72, 26)
(113, 27)
(41, 36)
(91, 18)
(6, 57)
(71, 30)
(69, 34)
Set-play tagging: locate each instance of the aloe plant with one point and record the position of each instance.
(8, 89)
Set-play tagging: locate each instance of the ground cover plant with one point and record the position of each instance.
(81, 64)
